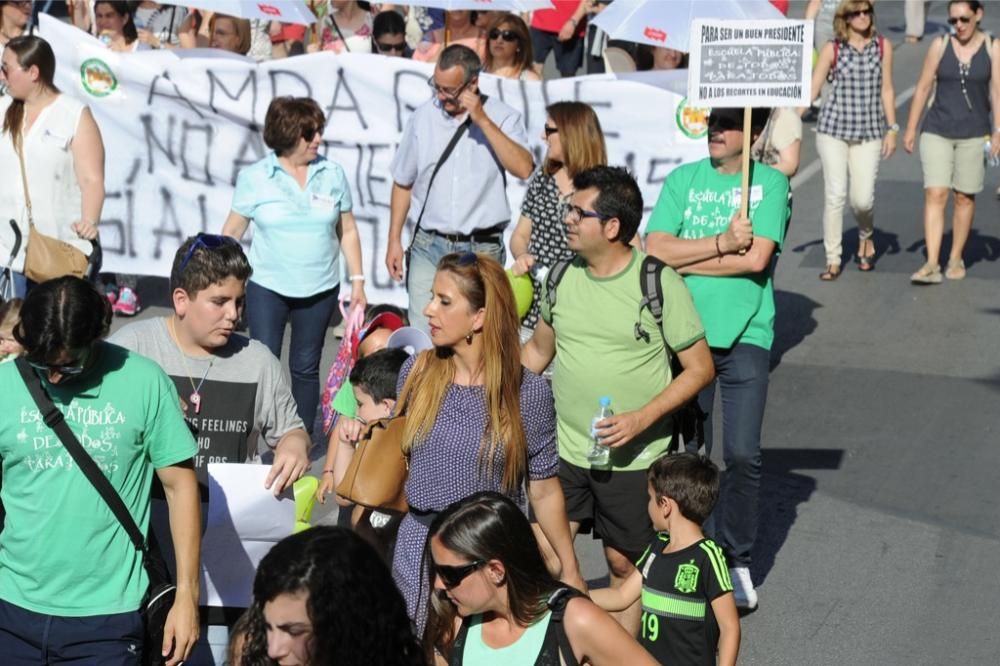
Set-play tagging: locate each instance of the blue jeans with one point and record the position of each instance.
(742, 376)
(425, 253)
(33, 639)
(268, 312)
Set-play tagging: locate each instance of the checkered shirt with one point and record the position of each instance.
(853, 111)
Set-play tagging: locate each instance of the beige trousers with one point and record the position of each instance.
(843, 161)
(914, 11)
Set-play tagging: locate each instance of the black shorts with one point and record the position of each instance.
(568, 54)
(613, 503)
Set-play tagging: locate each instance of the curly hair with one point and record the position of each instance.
(358, 616)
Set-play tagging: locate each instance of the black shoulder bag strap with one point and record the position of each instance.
(54, 419)
(462, 129)
(557, 605)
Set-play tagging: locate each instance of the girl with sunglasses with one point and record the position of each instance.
(493, 600)
(962, 75)
(476, 419)
(509, 53)
(856, 127)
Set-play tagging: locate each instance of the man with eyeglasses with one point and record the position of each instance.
(606, 342)
(231, 389)
(452, 163)
(727, 262)
(71, 580)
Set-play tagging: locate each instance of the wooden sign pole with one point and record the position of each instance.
(745, 185)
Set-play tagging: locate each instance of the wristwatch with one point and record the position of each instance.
(894, 128)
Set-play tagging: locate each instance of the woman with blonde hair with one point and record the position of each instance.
(476, 419)
(856, 127)
(508, 51)
(230, 33)
(575, 143)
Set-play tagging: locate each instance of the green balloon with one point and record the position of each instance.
(524, 292)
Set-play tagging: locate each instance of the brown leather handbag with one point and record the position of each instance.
(377, 474)
(45, 257)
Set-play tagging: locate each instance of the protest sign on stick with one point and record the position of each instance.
(750, 64)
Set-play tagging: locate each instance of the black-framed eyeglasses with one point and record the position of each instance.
(505, 35)
(309, 132)
(385, 47)
(549, 131)
(453, 94)
(723, 123)
(955, 20)
(576, 214)
(208, 242)
(453, 576)
(859, 12)
(69, 370)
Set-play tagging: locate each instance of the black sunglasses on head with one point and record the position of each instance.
(309, 132)
(506, 35)
(207, 241)
(955, 20)
(453, 576)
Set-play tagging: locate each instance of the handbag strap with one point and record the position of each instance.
(54, 419)
(437, 167)
(19, 147)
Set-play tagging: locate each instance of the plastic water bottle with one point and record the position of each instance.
(600, 455)
(987, 151)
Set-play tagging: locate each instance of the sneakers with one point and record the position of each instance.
(127, 304)
(743, 591)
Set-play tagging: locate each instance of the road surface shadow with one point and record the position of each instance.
(793, 322)
(783, 488)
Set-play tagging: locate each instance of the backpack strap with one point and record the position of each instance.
(652, 296)
(552, 279)
(557, 605)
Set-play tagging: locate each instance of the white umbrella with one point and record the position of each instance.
(668, 22)
(286, 11)
(483, 5)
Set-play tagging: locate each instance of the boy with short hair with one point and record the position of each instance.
(374, 380)
(688, 610)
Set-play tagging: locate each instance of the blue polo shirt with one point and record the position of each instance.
(295, 250)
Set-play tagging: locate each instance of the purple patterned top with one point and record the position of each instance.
(445, 467)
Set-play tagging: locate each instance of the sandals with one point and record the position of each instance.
(927, 274)
(831, 273)
(955, 270)
(866, 263)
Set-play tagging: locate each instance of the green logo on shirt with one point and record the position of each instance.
(97, 78)
(686, 580)
(692, 120)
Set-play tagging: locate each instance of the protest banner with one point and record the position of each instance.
(750, 64)
(178, 127)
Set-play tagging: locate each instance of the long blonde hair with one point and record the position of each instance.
(484, 284)
(581, 136)
(840, 22)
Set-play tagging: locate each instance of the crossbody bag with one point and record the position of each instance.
(159, 598)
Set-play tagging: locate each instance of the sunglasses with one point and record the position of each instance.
(389, 46)
(955, 20)
(859, 12)
(549, 131)
(453, 576)
(76, 368)
(506, 35)
(724, 123)
(208, 242)
(309, 132)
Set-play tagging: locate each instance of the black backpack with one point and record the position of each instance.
(688, 419)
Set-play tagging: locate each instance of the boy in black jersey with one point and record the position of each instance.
(688, 611)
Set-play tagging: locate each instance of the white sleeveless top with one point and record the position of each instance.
(55, 192)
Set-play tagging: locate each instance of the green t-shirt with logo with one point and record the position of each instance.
(696, 201)
(599, 354)
(62, 552)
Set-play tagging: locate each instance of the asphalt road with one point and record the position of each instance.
(880, 537)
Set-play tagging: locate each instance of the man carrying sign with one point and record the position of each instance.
(728, 262)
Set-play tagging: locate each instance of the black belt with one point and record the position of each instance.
(492, 235)
(425, 518)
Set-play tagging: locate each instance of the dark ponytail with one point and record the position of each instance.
(62, 315)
